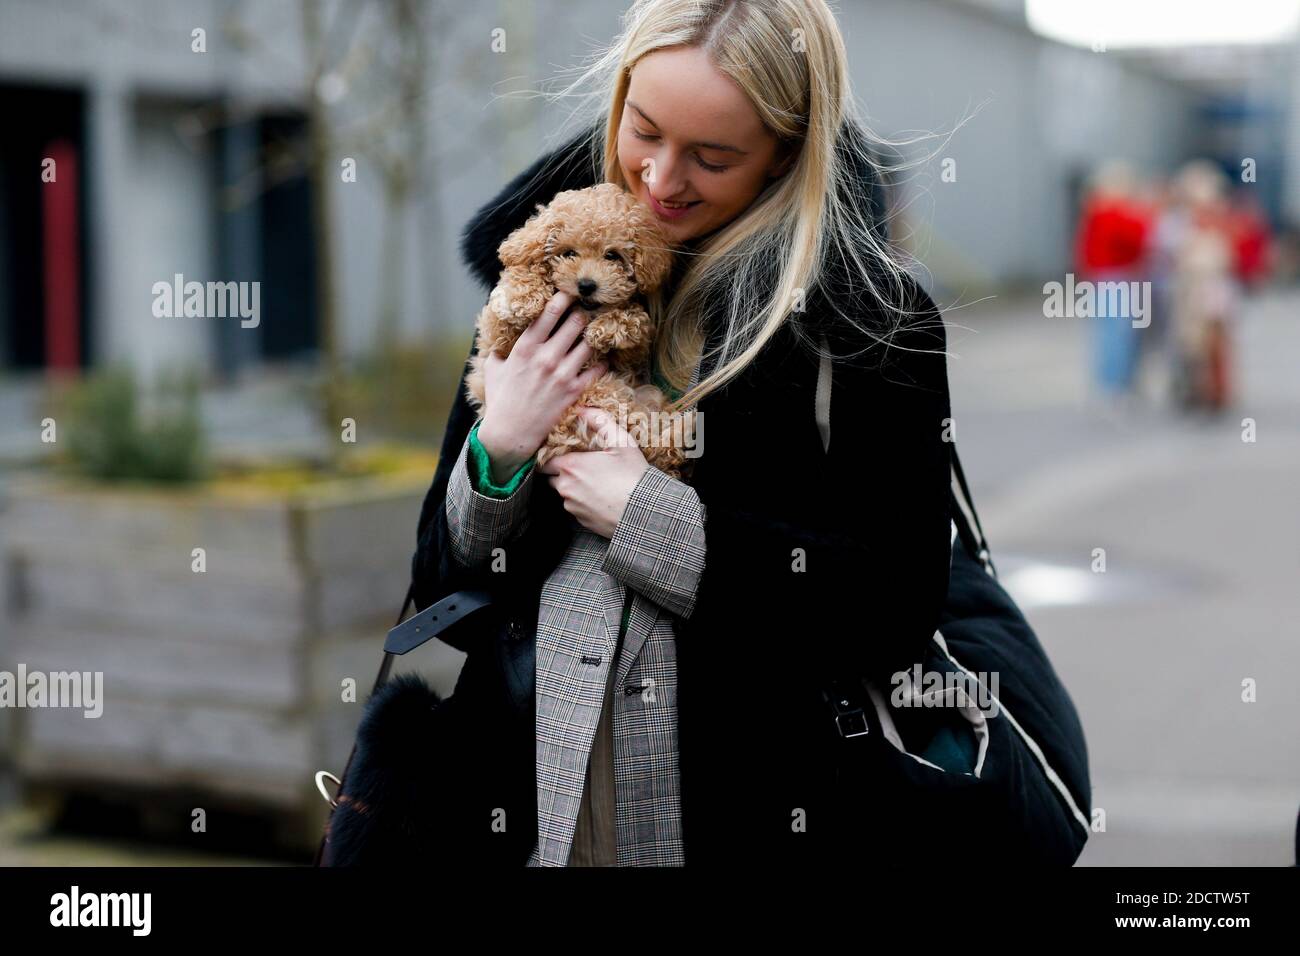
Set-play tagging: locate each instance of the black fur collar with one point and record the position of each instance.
(566, 167)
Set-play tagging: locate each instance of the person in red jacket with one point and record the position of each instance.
(1251, 241)
(1111, 246)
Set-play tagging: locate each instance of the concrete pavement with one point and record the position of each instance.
(1201, 534)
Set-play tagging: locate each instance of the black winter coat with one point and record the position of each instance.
(818, 563)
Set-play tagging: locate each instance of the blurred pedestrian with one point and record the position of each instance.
(1205, 291)
(1159, 353)
(1252, 241)
(1111, 247)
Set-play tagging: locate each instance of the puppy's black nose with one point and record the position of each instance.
(587, 286)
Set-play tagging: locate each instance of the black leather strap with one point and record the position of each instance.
(967, 518)
(848, 705)
(433, 620)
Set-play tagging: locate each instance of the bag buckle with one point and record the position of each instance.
(850, 717)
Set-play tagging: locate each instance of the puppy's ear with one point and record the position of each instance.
(652, 258)
(652, 261)
(516, 248)
(553, 222)
(533, 240)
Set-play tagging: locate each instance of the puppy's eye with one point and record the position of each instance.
(613, 255)
(568, 253)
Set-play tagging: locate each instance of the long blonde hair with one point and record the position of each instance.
(788, 57)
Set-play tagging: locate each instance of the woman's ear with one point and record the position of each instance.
(786, 156)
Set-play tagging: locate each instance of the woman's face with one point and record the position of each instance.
(689, 135)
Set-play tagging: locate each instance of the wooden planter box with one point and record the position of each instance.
(226, 683)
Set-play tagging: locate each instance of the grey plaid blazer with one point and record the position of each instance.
(657, 551)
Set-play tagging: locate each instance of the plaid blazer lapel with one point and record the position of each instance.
(612, 596)
(574, 653)
(639, 625)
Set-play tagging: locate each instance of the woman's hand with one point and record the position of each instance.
(596, 485)
(530, 389)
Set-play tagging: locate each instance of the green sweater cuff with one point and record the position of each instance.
(480, 470)
(662, 384)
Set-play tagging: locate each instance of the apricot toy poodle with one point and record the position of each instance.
(606, 250)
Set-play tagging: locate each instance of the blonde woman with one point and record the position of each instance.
(658, 699)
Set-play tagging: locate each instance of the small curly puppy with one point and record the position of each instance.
(604, 248)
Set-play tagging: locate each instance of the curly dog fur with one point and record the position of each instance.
(605, 249)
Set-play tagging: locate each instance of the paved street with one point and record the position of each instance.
(1200, 590)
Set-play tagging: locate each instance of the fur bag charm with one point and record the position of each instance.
(393, 770)
(417, 788)
(605, 249)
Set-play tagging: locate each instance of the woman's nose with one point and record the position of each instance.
(661, 178)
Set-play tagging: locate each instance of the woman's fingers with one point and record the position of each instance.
(540, 329)
(491, 362)
(590, 375)
(575, 359)
(560, 343)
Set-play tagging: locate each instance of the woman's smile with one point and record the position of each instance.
(670, 210)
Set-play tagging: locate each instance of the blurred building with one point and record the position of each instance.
(144, 134)
(173, 161)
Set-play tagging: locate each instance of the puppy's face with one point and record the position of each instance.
(602, 246)
(596, 269)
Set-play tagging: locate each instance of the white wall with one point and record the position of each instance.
(168, 231)
(1047, 110)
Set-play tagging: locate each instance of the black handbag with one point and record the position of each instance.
(915, 781)
(1006, 784)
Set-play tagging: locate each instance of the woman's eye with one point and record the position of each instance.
(703, 165)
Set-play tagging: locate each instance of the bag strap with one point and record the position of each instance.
(404, 636)
(967, 520)
(387, 663)
(968, 527)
